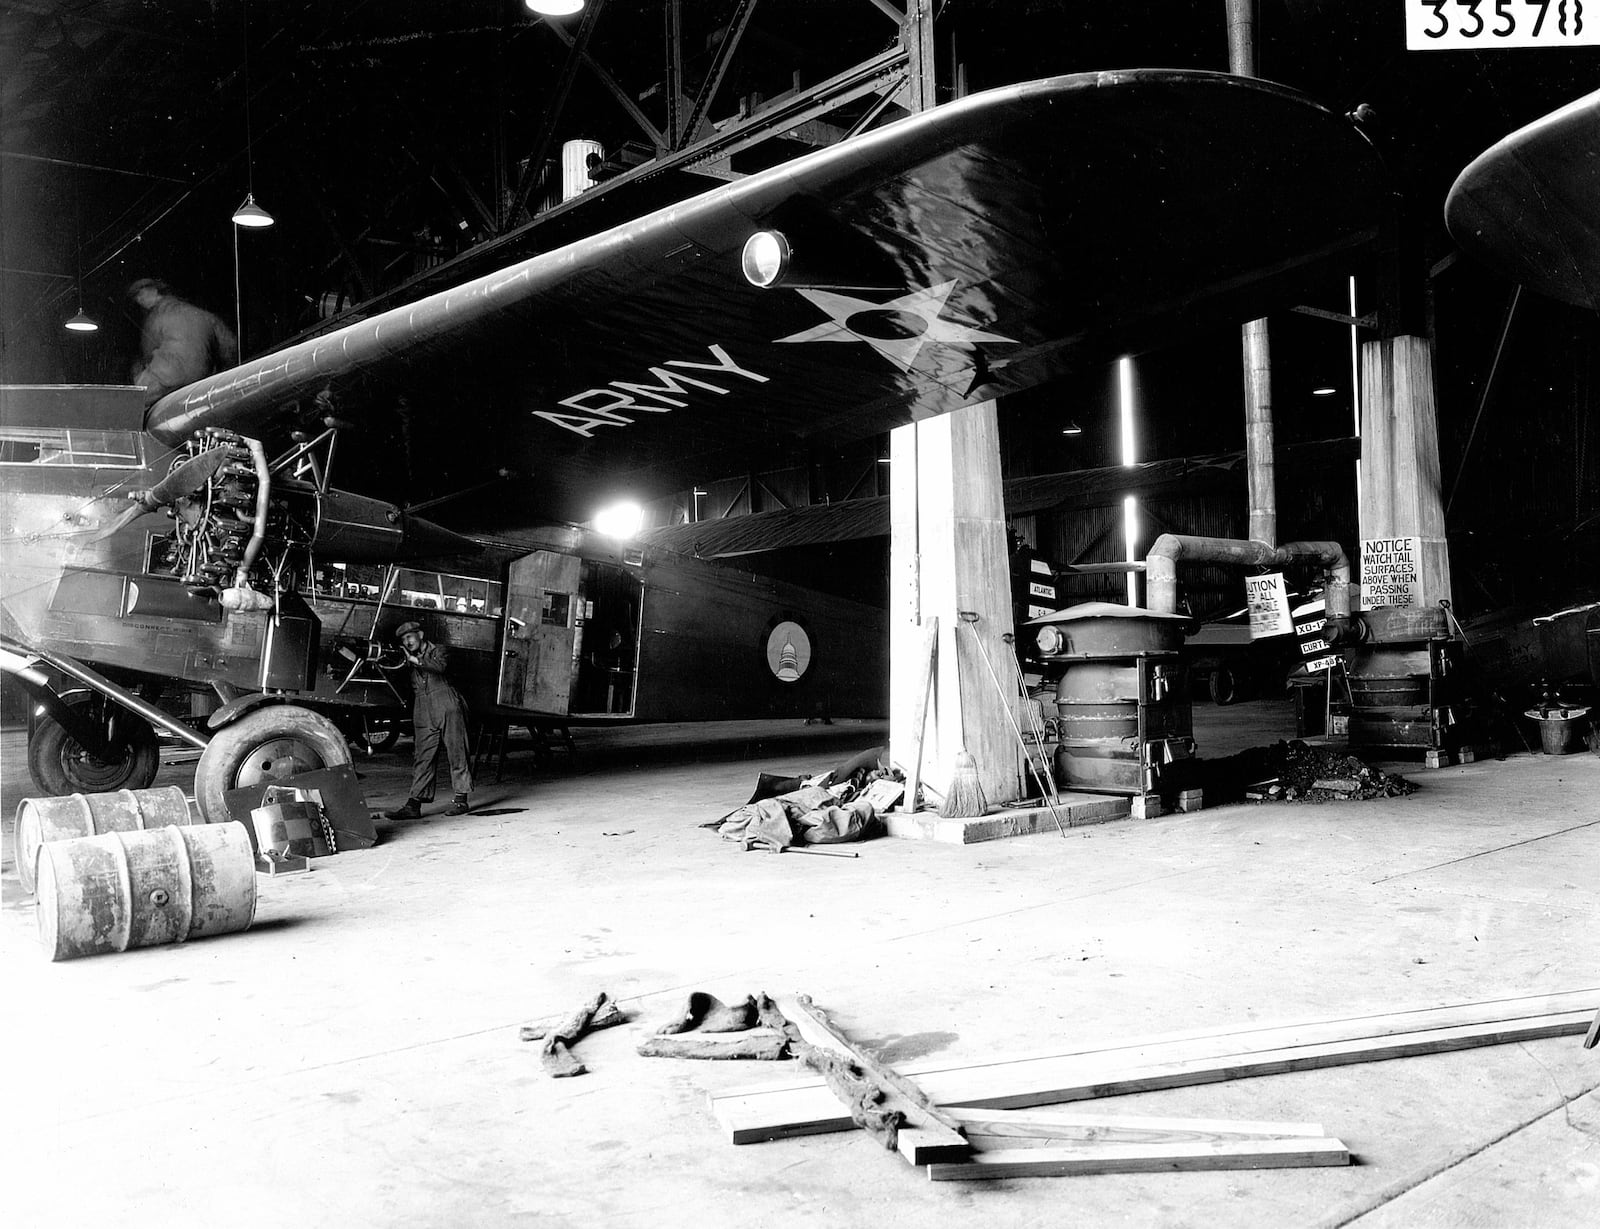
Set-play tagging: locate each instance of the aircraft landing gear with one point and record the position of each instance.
(276, 741)
(59, 764)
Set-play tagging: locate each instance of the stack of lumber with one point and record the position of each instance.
(972, 1094)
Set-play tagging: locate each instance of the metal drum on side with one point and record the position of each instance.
(40, 820)
(122, 890)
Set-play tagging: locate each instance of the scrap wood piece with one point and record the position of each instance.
(609, 1016)
(750, 1119)
(757, 1043)
(1143, 1158)
(1055, 1124)
(1212, 1041)
(558, 1060)
(881, 1101)
(706, 1013)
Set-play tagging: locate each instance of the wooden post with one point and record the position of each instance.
(948, 554)
(1400, 482)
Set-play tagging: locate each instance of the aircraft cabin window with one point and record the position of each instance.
(70, 446)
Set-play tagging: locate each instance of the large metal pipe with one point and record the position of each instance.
(1260, 478)
(1161, 567)
(1261, 481)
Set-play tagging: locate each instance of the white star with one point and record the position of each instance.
(895, 329)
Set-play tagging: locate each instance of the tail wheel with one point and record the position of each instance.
(278, 741)
(59, 765)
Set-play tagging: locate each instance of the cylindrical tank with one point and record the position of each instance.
(58, 819)
(575, 176)
(141, 889)
(1122, 697)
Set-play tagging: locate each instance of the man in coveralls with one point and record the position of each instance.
(437, 716)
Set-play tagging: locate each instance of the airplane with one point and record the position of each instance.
(1529, 208)
(978, 248)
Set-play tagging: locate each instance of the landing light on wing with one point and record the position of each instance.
(766, 258)
(622, 520)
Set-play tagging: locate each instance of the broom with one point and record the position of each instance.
(964, 799)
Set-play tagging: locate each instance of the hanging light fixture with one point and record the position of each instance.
(249, 214)
(82, 322)
(252, 215)
(554, 8)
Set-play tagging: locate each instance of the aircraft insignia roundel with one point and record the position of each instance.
(788, 651)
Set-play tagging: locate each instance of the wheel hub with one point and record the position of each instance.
(275, 758)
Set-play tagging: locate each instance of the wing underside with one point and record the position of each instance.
(971, 251)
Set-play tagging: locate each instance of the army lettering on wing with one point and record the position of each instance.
(601, 407)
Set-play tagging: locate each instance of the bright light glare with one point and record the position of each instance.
(1125, 408)
(555, 8)
(1130, 535)
(765, 257)
(1324, 390)
(622, 520)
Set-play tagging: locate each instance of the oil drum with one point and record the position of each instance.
(58, 819)
(142, 889)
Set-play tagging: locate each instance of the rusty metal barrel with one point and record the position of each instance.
(58, 819)
(141, 889)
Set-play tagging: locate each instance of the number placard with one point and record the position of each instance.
(1489, 25)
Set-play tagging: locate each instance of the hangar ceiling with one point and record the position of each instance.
(391, 142)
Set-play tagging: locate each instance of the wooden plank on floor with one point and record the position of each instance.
(1142, 1158)
(984, 1124)
(1266, 1036)
(752, 1119)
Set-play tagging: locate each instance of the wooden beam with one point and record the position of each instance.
(900, 1113)
(985, 1124)
(751, 1117)
(1142, 1159)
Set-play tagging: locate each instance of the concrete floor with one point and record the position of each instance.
(353, 1059)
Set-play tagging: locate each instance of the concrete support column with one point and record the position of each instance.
(1400, 483)
(948, 554)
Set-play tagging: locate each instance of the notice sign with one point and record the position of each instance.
(1488, 25)
(1268, 601)
(1391, 572)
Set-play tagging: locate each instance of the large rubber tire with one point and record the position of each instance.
(1224, 685)
(279, 740)
(59, 765)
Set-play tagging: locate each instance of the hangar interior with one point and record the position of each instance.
(1003, 598)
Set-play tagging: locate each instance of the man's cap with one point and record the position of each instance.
(400, 632)
(148, 283)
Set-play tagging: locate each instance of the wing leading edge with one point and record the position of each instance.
(971, 251)
(1529, 205)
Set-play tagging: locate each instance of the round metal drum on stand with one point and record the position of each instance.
(1122, 695)
(141, 889)
(57, 819)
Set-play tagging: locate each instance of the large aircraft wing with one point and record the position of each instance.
(852, 520)
(1529, 206)
(960, 254)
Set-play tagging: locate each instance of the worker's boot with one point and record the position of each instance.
(411, 810)
(458, 806)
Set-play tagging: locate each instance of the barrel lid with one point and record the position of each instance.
(1105, 610)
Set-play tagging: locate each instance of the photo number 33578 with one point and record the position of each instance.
(1486, 25)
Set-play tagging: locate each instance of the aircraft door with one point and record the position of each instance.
(539, 638)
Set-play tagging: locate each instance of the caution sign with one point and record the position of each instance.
(1268, 600)
(1391, 572)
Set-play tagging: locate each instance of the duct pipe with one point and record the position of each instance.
(1161, 567)
(1242, 37)
(1261, 488)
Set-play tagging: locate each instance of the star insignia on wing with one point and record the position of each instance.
(897, 329)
